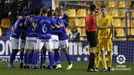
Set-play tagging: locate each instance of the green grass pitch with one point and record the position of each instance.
(79, 68)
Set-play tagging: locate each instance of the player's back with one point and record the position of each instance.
(44, 28)
(18, 27)
(32, 32)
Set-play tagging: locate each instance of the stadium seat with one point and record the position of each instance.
(73, 22)
(79, 30)
(132, 14)
(117, 22)
(111, 3)
(121, 4)
(0, 31)
(113, 12)
(81, 22)
(71, 12)
(132, 23)
(131, 31)
(122, 12)
(120, 32)
(5, 23)
(99, 3)
(128, 3)
(81, 13)
(124, 23)
(83, 32)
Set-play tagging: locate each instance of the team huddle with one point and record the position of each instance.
(43, 30)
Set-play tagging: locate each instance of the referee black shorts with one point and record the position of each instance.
(92, 38)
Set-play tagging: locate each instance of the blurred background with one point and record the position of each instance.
(121, 10)
(77, 10)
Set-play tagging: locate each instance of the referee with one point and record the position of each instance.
(90, 27)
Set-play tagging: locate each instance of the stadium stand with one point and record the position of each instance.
(71, 12)
(81, 13)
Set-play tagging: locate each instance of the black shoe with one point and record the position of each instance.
(21, 65)
(26, 67)
(42, 67)
(50, 67)
(109, 69)
(54, 66)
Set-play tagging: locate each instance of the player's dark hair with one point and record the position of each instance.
(92, 8)
(44, 11)
(50, 13)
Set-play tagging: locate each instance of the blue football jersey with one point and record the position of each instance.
(65, 19)
(32, 31)
(63, 34)
(52, 21)
(44, 28)
(18, 28)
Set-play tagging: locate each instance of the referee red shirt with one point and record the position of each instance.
(90, 23)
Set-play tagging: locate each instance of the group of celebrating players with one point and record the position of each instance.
(43, 30)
